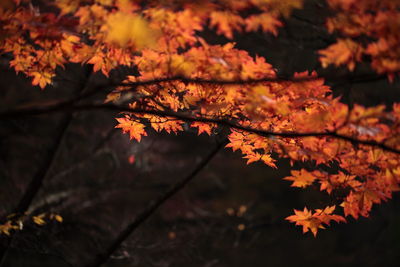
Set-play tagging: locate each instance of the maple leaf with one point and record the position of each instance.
(267, 159)
(360, 202)
(313, 118)
(326, 215)
(266, 21)
(41, 78)
(331, 182)
(305, 218)
(101, 62)
(168, 124)
(236, 140)
(122, 28)
(180, 66)
(252, 157)
(203, 127)
(343, 52)
(226, 22)
(302, 178)
(135, 129)
(314, 221)
(69, 44)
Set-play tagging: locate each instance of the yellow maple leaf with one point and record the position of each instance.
(181, 66)
(123, 29)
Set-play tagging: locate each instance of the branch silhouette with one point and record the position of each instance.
(152, 207)
(188, 118)
(36, 183)
(367, 77)
(105, 88)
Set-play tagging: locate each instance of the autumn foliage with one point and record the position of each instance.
(184, 81)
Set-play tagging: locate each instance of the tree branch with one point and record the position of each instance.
(357, 78)
(152, 207)
(36, 183)
(103, 88)
(189, 118)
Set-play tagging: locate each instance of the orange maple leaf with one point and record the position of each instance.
(41, 78)
(314, 221)
(226, 22)
(344, 52)
(340, 180)
(167, 124)
(301, 178)
(266, 21)
(203, 127)
(135, 129)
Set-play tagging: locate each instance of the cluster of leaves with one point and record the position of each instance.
(368, 28)
(184, 81)
(111, 33)
(17, 222)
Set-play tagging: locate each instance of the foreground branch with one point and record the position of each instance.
(354, 78)
(188, 118)
(153, 206)
(105, 88)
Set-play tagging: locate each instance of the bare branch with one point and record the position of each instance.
(37, 181)
(153, 206)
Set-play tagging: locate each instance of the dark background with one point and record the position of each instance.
(97, 191)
